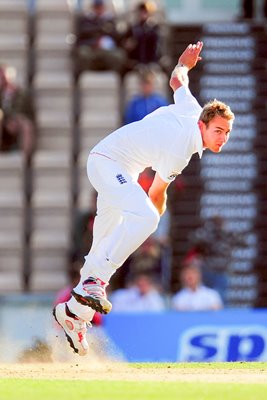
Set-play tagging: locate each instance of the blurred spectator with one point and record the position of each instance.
(154, 253)
(146, 101)
(249, 9)
(83, 231)
(146, 259)
(97, 41)
(16, 115)
(214, 244)
(146, 178)
(142, 295)
(152, 256)
(194, 296)
(142, 40)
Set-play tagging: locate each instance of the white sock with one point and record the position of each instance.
(103, 272)
(84, 312)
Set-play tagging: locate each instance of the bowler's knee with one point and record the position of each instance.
(151, 218)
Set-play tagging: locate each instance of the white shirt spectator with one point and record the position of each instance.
(130, 300)
(201, 299)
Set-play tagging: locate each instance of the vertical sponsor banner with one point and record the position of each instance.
(229, 177)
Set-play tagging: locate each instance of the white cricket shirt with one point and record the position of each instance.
(130, 300)
(165, 140)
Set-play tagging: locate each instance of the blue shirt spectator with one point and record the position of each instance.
(147, 101)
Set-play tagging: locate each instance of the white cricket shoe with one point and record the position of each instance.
(75, 328)
(93, 295)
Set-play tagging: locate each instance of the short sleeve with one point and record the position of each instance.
(180, 94)
(168, 169)
(186, 101)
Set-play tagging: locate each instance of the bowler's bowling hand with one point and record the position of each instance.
(191, 55)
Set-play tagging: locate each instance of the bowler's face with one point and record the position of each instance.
(216, 134)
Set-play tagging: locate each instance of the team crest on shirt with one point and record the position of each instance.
(121, 179)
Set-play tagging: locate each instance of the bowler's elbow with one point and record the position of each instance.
(175, 83)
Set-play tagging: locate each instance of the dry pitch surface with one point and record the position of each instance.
(232, 373)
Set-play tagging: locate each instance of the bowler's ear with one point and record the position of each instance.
(200, 124)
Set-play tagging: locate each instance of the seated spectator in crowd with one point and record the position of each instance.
(16, 115)
(142, 295)
(161, 234)
(248, 8)
(97, 41)
(83, 230)
(194, 296)
(146, 178)
(146, 101)
(146, 259)
(213, 243)
(142, 40)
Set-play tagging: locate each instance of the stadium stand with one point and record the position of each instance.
(99, 95)
(14, 36)
(51, 164)
(13, 52)
(12, 222)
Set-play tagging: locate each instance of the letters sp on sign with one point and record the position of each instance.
(223, 343)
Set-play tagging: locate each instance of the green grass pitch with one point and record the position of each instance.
(161, 388)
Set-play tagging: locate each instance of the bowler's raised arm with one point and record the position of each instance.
(187, 61)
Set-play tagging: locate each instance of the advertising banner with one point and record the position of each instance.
(229, 335)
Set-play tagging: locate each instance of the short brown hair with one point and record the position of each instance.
(213, 108)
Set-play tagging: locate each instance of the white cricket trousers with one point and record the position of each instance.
(125, 217)
(124, 220)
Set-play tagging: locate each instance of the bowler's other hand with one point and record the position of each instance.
(190, 56)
